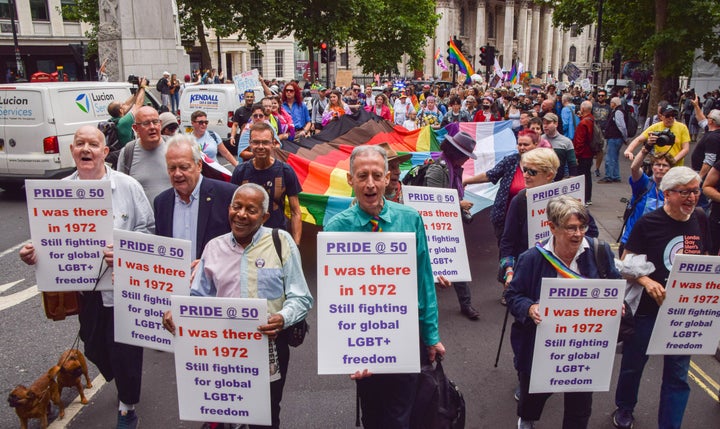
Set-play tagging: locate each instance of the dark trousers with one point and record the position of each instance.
(276, 387)
(386, 400)
(462, 290)
(585, 168)
(118, 361)
(577, 407)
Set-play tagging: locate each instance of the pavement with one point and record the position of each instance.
(312, 401)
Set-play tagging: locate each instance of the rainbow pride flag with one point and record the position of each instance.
(322, 162)
(456, 57)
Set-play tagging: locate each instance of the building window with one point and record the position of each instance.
(573, 54)
(462, 21)
(39, 10)
(69, 10)
(573, 31)
(256, 57)
(588, 55)
(343, 59)
(279, 62)
(5, 9)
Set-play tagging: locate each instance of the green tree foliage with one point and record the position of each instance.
(391, 29)
(85, 11)
(663, 33)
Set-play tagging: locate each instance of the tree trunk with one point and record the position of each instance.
(663, 87)
(205, 60)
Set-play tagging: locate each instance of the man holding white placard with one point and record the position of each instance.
(567, 254)
(387, 399)
(245, 263)
(671, 229)
(131, 212)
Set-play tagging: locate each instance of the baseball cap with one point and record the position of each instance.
(550, 117)
(669, 111)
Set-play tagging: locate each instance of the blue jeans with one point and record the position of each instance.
(612, 167)
(675, 390)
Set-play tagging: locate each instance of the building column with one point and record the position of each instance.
(565, 49)
(508, 34)
(534, 44)
(480, 26)
(522, 32)
(443, 33)
(556, 52)
(548, 38)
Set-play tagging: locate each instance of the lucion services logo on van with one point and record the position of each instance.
(83, 102)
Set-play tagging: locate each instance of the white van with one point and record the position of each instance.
(37, 123)
(619, 83)
(218, 101)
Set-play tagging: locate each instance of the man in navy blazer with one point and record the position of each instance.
(195, 208)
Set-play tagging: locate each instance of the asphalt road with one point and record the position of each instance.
(31, 344)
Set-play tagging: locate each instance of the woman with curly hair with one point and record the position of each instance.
(293, 104)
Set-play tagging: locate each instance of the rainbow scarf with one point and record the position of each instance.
(456, 57)
(556, 263)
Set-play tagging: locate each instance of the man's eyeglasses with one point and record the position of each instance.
(202, 122)
(686, 192)
(262, 142)
(530, 171)
(146, 124)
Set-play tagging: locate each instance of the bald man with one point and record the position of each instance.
(132, 212)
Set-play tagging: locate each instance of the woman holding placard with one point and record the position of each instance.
(567, 253)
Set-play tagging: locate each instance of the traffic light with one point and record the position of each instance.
(458, 43)
(323, 53)
(616, 62)
(333, 55)
(487, 55)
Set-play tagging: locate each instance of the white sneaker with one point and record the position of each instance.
(525, 424)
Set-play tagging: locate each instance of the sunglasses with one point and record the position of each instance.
(202, 122)
(258, 116)
(530, 171)
(289, 90)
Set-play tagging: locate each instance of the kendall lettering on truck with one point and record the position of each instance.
(204, 97)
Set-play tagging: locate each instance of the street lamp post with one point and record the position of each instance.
(219, 54)
(597, 40)
(18, 59)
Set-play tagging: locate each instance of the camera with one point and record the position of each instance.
(664, 138)
(467, 217)
(134, 80)
(690, 94)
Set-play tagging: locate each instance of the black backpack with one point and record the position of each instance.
(112, 141)
(416, 175)
(438, 401)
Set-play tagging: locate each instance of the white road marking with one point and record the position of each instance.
(14, 249)
(7, 286)
(75, 406)
(17, 298)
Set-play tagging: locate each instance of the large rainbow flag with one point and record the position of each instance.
(456, 57)
(322, 162)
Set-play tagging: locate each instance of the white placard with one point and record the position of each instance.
(221, 359)
(367, 303)
(575, 342)
(537, 199)
(246, 80)
(585, 84)
(71, 223)
(688, 320)
(440, 210)
(148, 270)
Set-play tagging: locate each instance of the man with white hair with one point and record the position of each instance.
(672, 229)
(616, 133)
(163, 87)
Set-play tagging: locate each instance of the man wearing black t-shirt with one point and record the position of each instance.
(707, 149)
(275, 176)
(660, 235)
(242, 116)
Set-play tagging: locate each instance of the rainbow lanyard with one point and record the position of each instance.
(556, 263)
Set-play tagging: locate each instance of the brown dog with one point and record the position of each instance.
(34, 402)
(72, 366)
